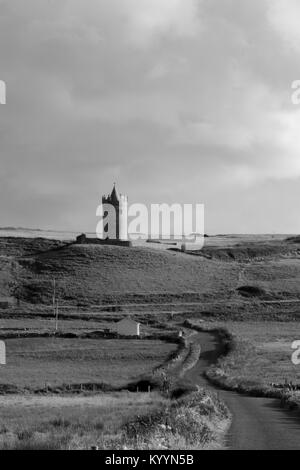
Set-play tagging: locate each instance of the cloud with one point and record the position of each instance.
(284, 17)
(151, 18)
(153, 93)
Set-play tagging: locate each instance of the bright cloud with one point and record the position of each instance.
(149, 18)
(284, 16)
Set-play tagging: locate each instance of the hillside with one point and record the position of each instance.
(88, 275)
(95, 274)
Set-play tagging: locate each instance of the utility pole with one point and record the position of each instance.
(56, 316)
(55, 305)
(54, 296)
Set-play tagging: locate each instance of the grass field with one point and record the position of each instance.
(48, 324)
(75, 421)
(261, 355)
(79, 324)
(113, 421)
(32, 362)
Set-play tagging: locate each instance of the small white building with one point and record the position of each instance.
(128, 327)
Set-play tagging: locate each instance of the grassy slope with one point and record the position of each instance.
(279, 277)
(94, 274)
(97, 274)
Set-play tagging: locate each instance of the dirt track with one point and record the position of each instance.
(258, 423)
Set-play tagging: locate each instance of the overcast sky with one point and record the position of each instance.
(175, 100)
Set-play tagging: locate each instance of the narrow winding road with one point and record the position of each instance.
(258, 423)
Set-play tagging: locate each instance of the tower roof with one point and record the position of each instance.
(115, 194)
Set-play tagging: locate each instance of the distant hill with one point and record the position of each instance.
(23, 229)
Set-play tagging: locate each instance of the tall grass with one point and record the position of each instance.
(197, 421)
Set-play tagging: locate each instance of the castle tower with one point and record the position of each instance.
(120, 204)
